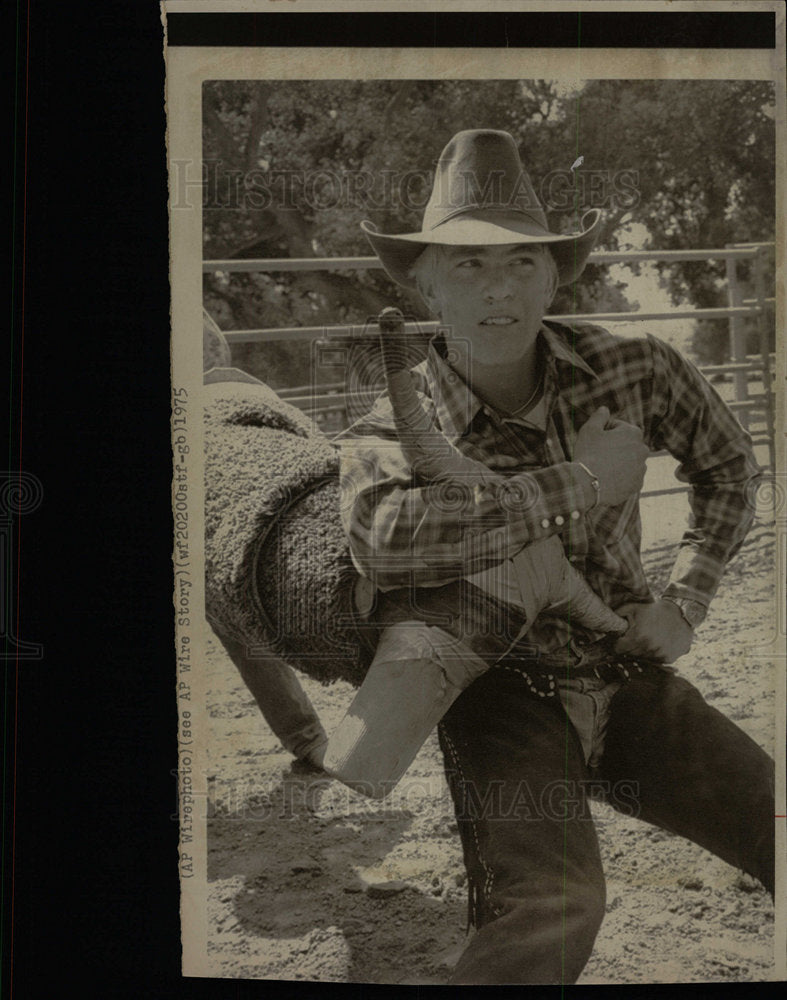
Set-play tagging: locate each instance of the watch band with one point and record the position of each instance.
(593, 482)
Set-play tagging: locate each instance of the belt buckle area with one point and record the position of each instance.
(581, 660)
(591, 666)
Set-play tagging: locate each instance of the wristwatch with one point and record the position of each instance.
(693, 612)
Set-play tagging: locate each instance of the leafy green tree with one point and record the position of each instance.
(704, 156)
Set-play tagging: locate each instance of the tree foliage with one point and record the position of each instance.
(292, 168)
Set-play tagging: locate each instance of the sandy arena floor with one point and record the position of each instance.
(309, 881)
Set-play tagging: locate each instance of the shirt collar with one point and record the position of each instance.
(455, 402)
(559, 345)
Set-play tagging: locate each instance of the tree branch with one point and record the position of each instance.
(393, 105)
(260, 116)
(227, 145)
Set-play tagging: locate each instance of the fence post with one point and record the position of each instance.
(763, 327)
(737, 340)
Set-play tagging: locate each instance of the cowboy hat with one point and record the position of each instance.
(483, 196)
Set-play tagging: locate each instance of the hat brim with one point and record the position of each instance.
(398, 253)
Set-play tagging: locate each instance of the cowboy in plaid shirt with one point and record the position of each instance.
(571, 413)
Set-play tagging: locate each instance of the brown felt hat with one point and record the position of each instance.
(483, 196)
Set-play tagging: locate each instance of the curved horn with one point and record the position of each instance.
(426, 449)
(546, 578)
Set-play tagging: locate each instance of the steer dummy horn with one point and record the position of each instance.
(401, 700)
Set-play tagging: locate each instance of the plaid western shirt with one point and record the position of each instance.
(406, 533)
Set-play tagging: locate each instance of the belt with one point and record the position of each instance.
(544, 674)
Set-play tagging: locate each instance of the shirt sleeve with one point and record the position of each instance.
(405, 533)
(716, 459)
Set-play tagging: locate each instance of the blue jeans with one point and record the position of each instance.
(520, 785)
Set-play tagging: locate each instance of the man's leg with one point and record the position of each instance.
(516, 772)
(695, 772)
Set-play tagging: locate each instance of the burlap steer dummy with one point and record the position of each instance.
(279, 575)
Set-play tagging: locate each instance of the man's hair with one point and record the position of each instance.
(424, 270)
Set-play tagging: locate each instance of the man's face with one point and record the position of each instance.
(493, 297)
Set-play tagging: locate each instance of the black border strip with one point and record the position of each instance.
(593, 29)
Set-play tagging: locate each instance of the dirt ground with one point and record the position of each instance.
(310, 881)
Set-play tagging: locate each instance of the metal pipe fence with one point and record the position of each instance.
(268, 334)
(373, 263)
(321, 401)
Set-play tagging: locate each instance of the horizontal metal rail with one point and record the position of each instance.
(736, 366)
(237, 266)
(758, 404)
(303, 390)
(753, 363)
(269, 334)
(331, 399)
(338, 401)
